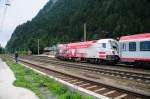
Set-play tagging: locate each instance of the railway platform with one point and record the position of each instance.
(7, 89)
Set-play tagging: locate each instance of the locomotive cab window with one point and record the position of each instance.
(124, 46)
(145, 46)
(104, 45)
(132, 46)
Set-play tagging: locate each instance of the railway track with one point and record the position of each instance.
(93, 86)
(138, 77)
(109, 65)
(116, 66)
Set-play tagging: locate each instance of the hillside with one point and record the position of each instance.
(62, 21)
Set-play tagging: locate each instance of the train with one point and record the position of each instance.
(132, 49)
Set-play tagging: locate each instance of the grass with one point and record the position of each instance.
(34, 81)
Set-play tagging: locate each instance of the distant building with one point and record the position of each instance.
(50, 50)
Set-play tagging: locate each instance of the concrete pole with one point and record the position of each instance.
(38, 47)
(84, 31)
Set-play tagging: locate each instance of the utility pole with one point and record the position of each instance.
(38, 47)
(84, 31)
(7, 3)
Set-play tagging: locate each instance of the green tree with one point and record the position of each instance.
(62, 21)
(2, 50)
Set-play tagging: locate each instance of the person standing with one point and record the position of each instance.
(16, 56)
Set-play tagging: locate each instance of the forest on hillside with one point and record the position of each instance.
(61, 21)
(2, 50)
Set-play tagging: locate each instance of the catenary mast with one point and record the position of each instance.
(7, 3)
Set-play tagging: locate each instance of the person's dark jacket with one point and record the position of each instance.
(16, 55)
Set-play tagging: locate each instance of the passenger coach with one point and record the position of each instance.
(135, 49)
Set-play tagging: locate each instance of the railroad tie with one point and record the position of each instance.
(61, 77)
(73, 80)
(91, 87)
(121, 96)
(110, 92)
(77, 82)
(84, 84)
(67, 79)
(99, 89)
(138, 98)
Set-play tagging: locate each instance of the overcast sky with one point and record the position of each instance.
(19, 12)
